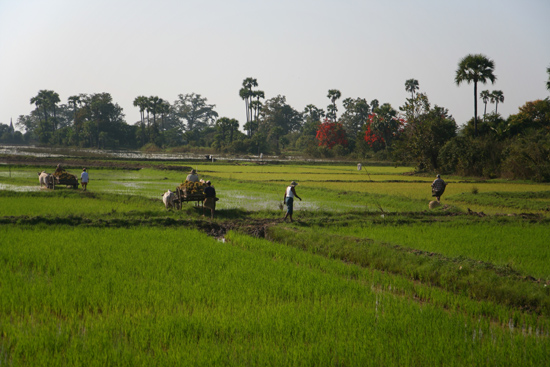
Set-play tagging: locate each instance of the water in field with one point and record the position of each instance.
(34, 151)
(18, 188)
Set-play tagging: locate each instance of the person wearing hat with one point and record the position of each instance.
(438, 187)
(192, 176)
(210, 199)
(288, 199)
(84, 178)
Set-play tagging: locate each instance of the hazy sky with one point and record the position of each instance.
(299, 49)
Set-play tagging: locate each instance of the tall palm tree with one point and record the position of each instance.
(475, 68)
(247, 94)
(411, 86)
(333, 95)
(548, 82)
(485, 97)
(74, 101)
(496, 97)
(141, 102)
(53, 99)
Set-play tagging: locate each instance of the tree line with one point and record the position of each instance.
(414, 133)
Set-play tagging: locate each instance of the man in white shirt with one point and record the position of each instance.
(288, 199)
(84, 178)
(192, 176)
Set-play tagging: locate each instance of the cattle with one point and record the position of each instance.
(168, 198)
(45, 179)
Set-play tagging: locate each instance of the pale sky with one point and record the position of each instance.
(298, 48)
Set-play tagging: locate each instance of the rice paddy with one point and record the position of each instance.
(367, 275)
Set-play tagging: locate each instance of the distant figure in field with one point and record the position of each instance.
(84, 178)
(438, 187)
(210, 199)
(192, 176)
(288, 199)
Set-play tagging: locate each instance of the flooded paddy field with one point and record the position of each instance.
(365, 275)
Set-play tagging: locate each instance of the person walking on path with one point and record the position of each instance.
(210, 199)
(438, 187)
(288, 199)
(84, 178)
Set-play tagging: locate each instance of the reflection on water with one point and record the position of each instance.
(34, 151)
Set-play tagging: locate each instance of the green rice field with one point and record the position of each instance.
(366, 275)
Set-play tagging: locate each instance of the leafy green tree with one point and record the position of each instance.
(354, 118)
(384, 122)
(411, 86)
(107, 119)
(473, 69)
(425, 133)
(279, 119)
(333, 95)
(527, 157)
(374, 104)
(532, 116)
(496, 97)
(46, 100)
(195, 114)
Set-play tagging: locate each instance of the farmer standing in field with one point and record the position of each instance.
(210, 199)
(84, 178)
(288, 199)
(438, 187)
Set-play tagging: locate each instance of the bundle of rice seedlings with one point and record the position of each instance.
(434, 204)
(192, 188)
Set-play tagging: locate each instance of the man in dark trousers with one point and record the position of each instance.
(438, 187)
(210, 199)
(288, 199)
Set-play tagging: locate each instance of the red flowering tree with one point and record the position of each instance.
(331, 133)
(383, 127)
(372, 137)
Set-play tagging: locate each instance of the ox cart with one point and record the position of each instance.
(65, 178)
(182, 196)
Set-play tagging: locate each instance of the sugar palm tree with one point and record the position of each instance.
(473, 69)
(411, 86)
(496, 97)
(141, 102)
(333, 95)
(485, 97)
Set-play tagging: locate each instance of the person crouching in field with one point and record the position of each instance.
(288, 199)
(210, 199)
(84, 178)
(438, 187)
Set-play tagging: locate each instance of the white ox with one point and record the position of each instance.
(45, 179)
(168, 199)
